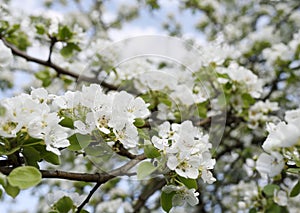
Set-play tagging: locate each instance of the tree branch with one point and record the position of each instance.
(103, 177)
(123, 170)
(149, 190)
(57, 68)
(86, 177)
(120, 150)
(87, 199)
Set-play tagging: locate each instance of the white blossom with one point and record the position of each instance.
(270, 165)
(182, 195)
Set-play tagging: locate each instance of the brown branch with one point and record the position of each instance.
(123, 170)
(53, 41)
(120, 150)
(57, 68)
(148, 191)
(67, 175)
(86, 177)
(87, 199)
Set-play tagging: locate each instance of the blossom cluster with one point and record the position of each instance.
(31, 114)
(112, 113)
(241, 196)
(259, 113)
(241, 78)
(182, 194)
(39, 114)
(281, 135)
(186, 149)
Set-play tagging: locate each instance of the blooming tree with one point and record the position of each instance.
(152, 123)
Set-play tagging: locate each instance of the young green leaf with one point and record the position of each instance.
(139, 122)
(189, 183)
(11, 190)
(144, 169)
(69, 49)
(79, 141)
(270, 188)
(166, 200)
(296, 190)
(64, 205)
(24, 177)
(150, 151)
(31, 156)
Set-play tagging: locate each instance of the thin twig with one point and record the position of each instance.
(148, 191)
(87, 199)
(57, 68)
(123, 170)
(53, 41)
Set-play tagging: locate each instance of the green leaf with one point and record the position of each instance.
(67, 122)
(145, 169)
(274, 208)
(50, 157)
(64, 33)
(79, 142)
(166, 200)
(42, 74)
(150, 151)
(4, 25)
(189, 183)
(144, 134)
(253, 210)
(165, 101)
(40, 29)
(20, 40)
(32, 141)
(64, 205)
(202, 109)
(139, 122)
(296, 190)
(5, 151)
(2, 111)
(45, 77)
(247, 100)
(24, 177)
(293, 170)
(2, 179)
(269, 189)
(11, 190)
(31, 156)
(69, 49)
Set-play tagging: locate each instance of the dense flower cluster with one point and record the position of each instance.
(187, 150)
(241, 196)
(283, 134)
(112, 113)
(243, 79)
(32, 114)
(182, 195)
(259, 113)
(39, 114)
